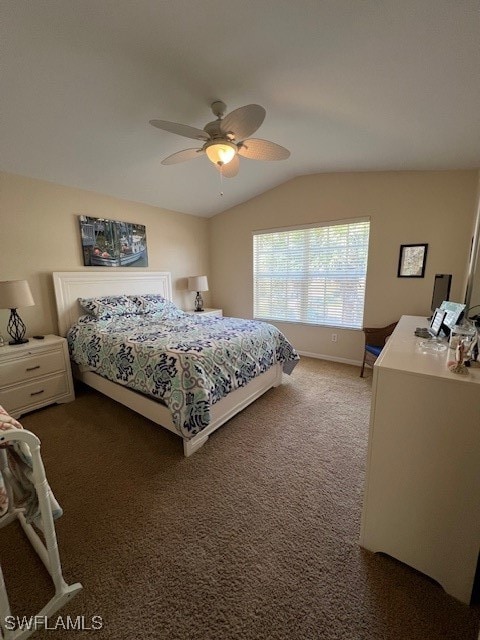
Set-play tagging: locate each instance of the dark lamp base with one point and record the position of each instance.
(21, 341)
(16, 328)
(198, 302)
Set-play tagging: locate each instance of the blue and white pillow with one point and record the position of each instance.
(109, 306)
(155, 303)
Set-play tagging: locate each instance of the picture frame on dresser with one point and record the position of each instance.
(436, 323)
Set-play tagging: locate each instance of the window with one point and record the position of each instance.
(313, 274)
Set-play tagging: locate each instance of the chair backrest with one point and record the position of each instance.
(376, 336)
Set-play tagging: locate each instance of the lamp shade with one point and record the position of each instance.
(198, 283)
(15, 294)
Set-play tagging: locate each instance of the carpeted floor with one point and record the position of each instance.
(253, 537)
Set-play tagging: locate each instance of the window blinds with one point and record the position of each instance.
(314, 275)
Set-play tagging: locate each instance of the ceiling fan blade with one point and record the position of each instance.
(242, 122)
(257, 149)
(230, 169)
(181, 129)
(181, 156)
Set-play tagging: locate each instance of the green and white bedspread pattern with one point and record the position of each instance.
(189, 362)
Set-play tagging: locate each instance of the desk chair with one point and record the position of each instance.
(375, 338)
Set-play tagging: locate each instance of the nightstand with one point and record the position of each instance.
(35, 374)
(206, 312)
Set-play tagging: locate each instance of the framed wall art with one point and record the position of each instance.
(412, 260)
(112, 243)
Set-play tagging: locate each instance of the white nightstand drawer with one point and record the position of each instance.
(37, 392)
(35, 374)
(33, 366)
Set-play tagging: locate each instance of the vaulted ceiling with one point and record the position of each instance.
(348, 85)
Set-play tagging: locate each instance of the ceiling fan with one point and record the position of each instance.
(226, 138)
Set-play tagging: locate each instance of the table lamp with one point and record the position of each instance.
(15, 294)
(198, 284)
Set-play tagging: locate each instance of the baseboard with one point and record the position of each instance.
(320, 356)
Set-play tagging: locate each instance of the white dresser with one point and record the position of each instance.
(422, 492)
(35, 374)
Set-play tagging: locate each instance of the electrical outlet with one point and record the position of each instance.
(334, 337)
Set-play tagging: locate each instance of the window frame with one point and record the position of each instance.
(313, 225)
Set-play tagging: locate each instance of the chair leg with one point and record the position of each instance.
(363, 365)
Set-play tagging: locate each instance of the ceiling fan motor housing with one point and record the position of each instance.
(214, 129)
(218, 108)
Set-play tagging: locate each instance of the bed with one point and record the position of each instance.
(206, 397)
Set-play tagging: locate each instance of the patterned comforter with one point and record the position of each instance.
(188, 362)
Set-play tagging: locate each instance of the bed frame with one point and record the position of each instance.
(69, 286)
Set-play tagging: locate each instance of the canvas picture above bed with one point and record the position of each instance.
(202, 368)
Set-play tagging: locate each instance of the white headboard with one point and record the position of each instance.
(71, 285)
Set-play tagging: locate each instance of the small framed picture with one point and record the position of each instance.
(437, 321)
(412, 260)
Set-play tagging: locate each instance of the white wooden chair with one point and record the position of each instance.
(47, 551)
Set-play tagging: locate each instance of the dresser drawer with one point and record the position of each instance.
(37, 392)
(23, 369)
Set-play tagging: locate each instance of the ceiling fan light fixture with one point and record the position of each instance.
(221, 153)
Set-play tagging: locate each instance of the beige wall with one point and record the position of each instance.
(404, 207)
(40, 233)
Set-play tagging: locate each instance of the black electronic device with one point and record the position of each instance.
(441, 289)
(38, 337)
